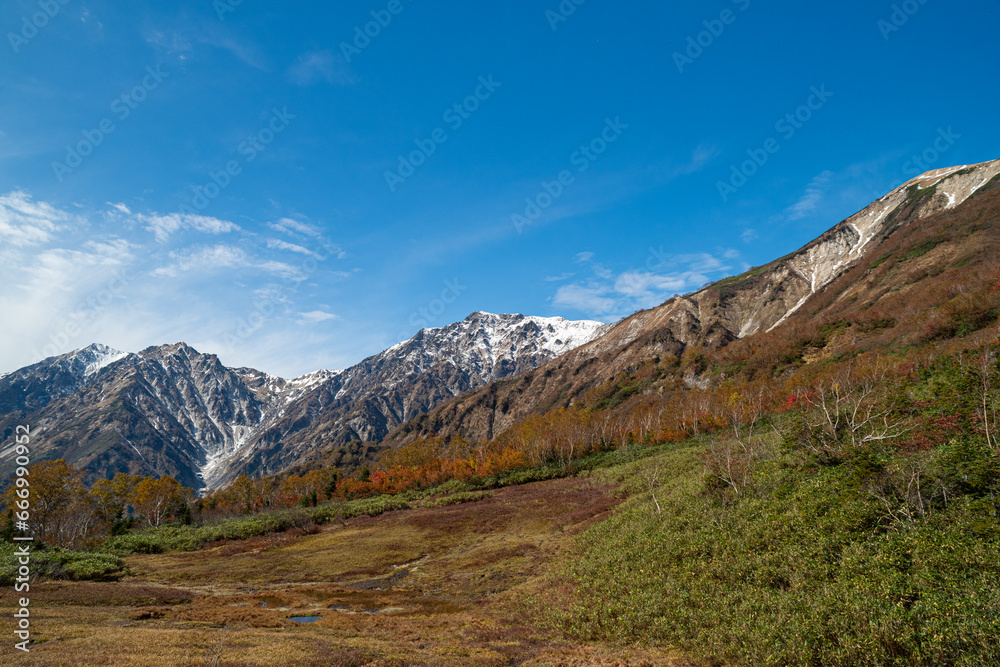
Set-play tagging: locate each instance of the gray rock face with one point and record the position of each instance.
(172, 410)
(37, 385)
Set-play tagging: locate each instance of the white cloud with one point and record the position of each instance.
(223, 257)
(24, 222)
(289, 226)
(163, 226)
(584, 257)
(316, 316)
(298, 229)
(556, 279)
(811, 198)
(57, 304)
(592, 299)
(749, 235)
(277, 244)
(641, 285)
(111, 247)
(608, 295)
(99, 275)
(315, 66)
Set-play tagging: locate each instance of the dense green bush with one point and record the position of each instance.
(178, 537)
(54, 563)
(808, 568)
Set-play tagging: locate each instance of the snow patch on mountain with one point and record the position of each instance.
(822, 261)
(96, 357)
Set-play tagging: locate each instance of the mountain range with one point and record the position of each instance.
(173, 410)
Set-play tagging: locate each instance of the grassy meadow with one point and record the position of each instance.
(446, 582)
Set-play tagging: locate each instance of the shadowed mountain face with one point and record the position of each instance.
(172, 410)
(828, 277)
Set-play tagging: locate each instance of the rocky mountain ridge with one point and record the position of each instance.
(172, 410)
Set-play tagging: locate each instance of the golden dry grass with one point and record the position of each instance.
(434, 586)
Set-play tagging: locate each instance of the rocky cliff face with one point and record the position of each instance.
(755, 302)
(172, 410)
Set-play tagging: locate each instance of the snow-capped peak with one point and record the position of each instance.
(95, 357)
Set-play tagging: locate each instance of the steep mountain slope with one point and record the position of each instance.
(787, 291)
(166, 410)
(172, 410)
(32, 388)
(35, 386)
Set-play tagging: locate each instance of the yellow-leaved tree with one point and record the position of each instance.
(57, 501)
(156, 499)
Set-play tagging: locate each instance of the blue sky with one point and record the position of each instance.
(264, 181)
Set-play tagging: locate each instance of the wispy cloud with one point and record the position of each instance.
(204, 260)
(278, 244)
(812, 197)
(593, 299)
(24, 222)
(315, 317)
(131, 279)
(163, 226)
(289, 226)
(607, 294)
(299, 230)
(319, 66)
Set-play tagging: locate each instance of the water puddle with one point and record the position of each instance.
(304, 619)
